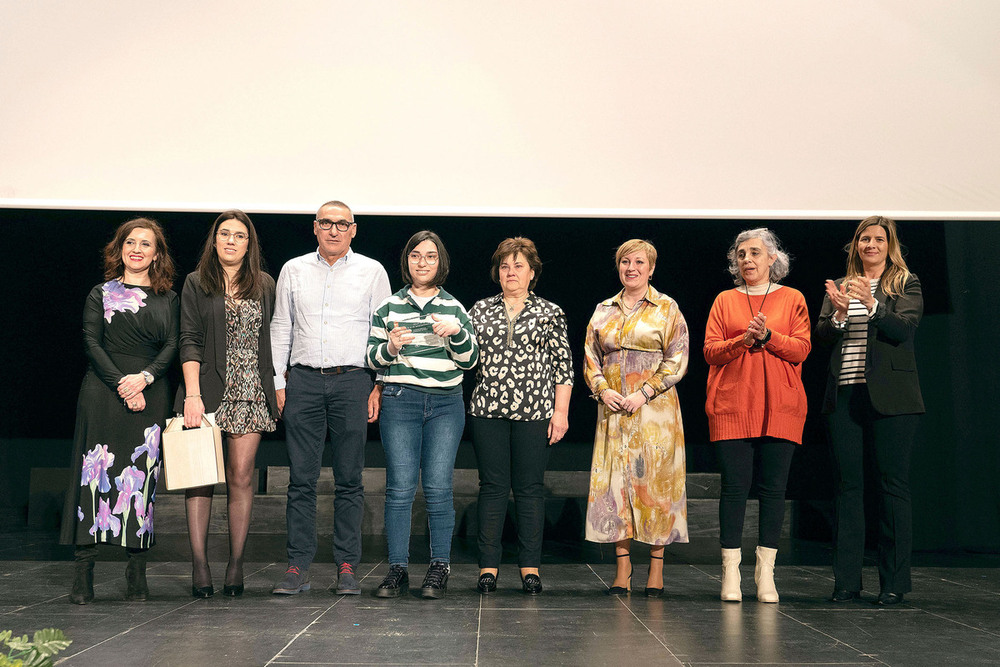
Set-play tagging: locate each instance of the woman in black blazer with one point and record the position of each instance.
(873, 402)
(225, 351)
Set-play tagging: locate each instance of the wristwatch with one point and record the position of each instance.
(148, 376)
(764, 341)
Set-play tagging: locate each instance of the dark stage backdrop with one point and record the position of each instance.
(52, 258)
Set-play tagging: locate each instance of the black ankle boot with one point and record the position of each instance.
(135, 576)
(82, 591)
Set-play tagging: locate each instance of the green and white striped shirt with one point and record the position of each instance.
(430, 363)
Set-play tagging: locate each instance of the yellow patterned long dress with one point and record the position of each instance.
(637, 476)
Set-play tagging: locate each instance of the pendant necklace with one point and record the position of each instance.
(750, 305)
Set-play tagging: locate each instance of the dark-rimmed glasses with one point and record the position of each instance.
(326, 224)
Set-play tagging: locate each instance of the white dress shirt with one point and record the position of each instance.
(323, 313)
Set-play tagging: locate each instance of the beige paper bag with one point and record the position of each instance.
(192, 457)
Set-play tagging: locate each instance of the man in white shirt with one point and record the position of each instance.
(319, 335)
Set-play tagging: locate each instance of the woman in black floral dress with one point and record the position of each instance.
(519, 407)
(225, 350)
(130, 337)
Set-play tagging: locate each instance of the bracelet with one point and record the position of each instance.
(192, 396)
(647, 396)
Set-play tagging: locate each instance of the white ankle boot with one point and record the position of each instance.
(764, 575)
(731, 575)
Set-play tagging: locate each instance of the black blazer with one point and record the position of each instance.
(890, 366)
(203, 339)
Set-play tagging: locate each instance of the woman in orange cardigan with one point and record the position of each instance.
(756, 339)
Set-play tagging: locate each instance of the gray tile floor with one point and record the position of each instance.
(953, 617)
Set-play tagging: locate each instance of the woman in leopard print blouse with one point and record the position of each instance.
(519, 407)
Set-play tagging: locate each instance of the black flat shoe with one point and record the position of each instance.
(233, 591)
(654, 592)
(843, 595)
(531, 584)
(623, 590)
(886, 599)
(203, 591)
(487, 583)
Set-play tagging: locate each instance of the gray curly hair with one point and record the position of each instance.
(781, 262)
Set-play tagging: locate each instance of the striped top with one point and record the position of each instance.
(852, 360)
(430, 363)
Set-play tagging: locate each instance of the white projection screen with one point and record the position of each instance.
(726, 108)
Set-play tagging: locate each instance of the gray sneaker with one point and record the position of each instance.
(347, 584)
(295, 581)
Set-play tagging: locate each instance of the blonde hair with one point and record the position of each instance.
(636, 245)
(896, 273)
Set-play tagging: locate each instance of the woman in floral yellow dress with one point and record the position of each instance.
(636, 351)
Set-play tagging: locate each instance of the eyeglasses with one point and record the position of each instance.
(238, 237)
(415, 258)
(326, 224)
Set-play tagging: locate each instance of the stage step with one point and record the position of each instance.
(565, 505)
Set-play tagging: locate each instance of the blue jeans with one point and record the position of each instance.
(420, 434)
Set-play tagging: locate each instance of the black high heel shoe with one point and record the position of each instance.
(654, 592)
(623, 590)
(487, 583)
(202, 591)
(234, 590)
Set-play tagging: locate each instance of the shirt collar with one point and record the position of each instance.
(529, 299)
(652, 296)
(346, 259)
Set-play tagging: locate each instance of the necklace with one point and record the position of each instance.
(512, 307)
(750, 305)
(511, 313)
(630, 308)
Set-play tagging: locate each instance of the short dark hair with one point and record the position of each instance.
(161, 273)
(443, 265)
(510, 248)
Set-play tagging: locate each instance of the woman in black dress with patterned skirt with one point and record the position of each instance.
(519, 407)
(225, 351)
(130, 338)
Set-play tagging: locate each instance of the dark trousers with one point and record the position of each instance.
(314, 405)
(854, 428)
(511, 454)
(737, 458)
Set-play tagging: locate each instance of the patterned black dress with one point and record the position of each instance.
(244, 407)
(116, 452)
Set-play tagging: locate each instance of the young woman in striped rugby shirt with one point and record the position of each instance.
(423, 341)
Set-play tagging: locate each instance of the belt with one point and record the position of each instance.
(331, 370)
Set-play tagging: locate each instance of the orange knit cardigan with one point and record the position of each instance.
(757, 392)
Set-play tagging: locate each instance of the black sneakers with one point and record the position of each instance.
(435, 581)
(395, 583)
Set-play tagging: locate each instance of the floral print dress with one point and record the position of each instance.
(116, 452)
(637, 477)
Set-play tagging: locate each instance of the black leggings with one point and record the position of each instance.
(736, 461)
